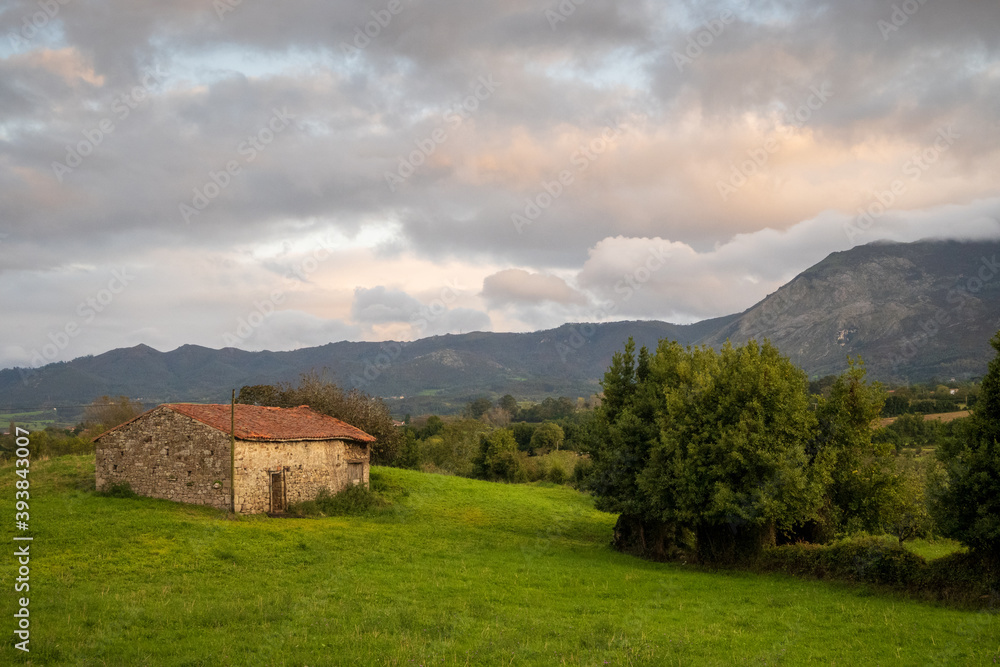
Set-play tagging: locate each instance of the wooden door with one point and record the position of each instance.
(355, 473)
(277, 492)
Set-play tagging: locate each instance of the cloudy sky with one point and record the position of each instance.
(278, 175)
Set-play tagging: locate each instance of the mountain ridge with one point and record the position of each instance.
(911, 311)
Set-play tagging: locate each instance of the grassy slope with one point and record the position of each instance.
(460, 572)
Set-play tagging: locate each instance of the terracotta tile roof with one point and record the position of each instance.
(255, 422)
(260, 423)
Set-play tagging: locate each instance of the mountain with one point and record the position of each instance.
(912, 311)
(437, 374)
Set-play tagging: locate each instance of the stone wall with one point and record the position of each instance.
(307, 467)
(164, 454)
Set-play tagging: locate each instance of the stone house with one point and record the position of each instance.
(181, 451)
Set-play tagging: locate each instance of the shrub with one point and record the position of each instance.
(498, 458)
(453, 449)
(557, 474)
(581, 473)
(960, 577)
(963, 576)
(354, 500)
(864, 559)
(905, 512)
(536, 468)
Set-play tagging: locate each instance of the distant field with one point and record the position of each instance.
(459, 572)
(33, 421)
(929, 550)
(939, 416)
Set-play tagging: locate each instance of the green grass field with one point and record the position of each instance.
(457, 572)
(33, 421)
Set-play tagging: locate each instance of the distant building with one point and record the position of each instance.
(181, 451)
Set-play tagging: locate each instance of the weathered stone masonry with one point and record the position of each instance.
(167, 455)
(306, 467)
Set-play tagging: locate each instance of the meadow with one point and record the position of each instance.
(455, 572)
(33, 421)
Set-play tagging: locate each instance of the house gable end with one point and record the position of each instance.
(164, 454)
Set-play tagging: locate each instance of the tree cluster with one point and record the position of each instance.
(507, 409)
(721, 453)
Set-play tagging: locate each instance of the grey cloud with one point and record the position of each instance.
(516, 286)
(454, 320)
(379, 305)
(661, 279)
(290, 330)
(355, 116)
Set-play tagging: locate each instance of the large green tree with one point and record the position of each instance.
(966, 505)
(622, 430)
(730, 462)
(724, 450)
(863, 482)
(547, 437)
(508, 403)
